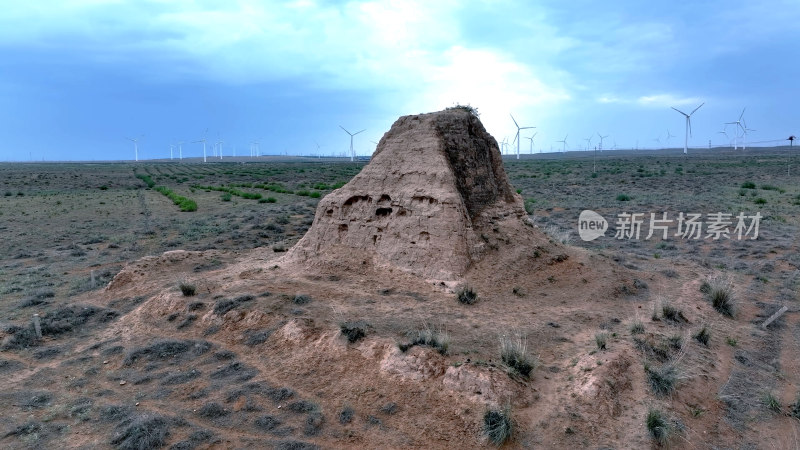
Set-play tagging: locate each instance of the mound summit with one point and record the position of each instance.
(435, 184)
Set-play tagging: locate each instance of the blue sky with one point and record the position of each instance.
(78, 76)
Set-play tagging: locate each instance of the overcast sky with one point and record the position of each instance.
(79, 76)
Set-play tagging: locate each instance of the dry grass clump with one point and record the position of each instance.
(466, 295)
(497, 425)
(514, 353)
(658, 425)
(719, 291)
(431, 337)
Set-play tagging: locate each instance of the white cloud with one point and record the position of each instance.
(667, 100)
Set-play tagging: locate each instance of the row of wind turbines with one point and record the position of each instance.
(740, 131)
(739, 126)
(255, 150)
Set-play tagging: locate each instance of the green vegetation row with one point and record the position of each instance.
(185, 204)
(273, 187)
(230, 190)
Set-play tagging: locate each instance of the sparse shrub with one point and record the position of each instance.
(748, 185)
(514, 353)
(637, 327)
(760, 201)
(271, 199)
(672, 313)
(188, 290)
(144, 432)
(212, 410)
(466, 295)
(302, 406)
(623, 197)
(658, 426)
(315, 195)
(497, 425)
(676, 341)
(267, 423)
(301, 299)
(703, 336)
(719, 291)
(468, 108)
(662, 380)
(226, 197)
(529, 208)
(771, 402)
(794, 408)
(346, 415)
(769, 187)
(601, 339)
(730, 341)
(354, 331)
(431, 337)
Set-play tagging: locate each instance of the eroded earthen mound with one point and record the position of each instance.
(434, 183)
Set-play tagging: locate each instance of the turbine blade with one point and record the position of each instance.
(676, 109)
(742, 114)
(515, 120)
(689, 121)
(360, 132)
(345, 130)
(701, 104)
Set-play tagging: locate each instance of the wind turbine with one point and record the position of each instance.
(564, 141)
(352, 152)
(725, 133)
(688, 126)
(658, 140)
(204, 147)
(601, 140)
(135, 146)
(669, 135)
(588, 142)
(180, 150)
(220, 142)
(518, 130)
(531, 139)
(171, 149)
(738, 125)
(504, 146)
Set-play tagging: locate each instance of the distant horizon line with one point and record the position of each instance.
(526, 155)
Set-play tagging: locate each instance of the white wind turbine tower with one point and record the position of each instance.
(135, 147)
(504, 146)
(519, 128)
(688, 126)
(171, 149)
(588, 142)
(180, 150)
(352, 152)
(531, 139)
(564, 141)
(204, 147)
(601, 140)
(738, 125)
(220, 142)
